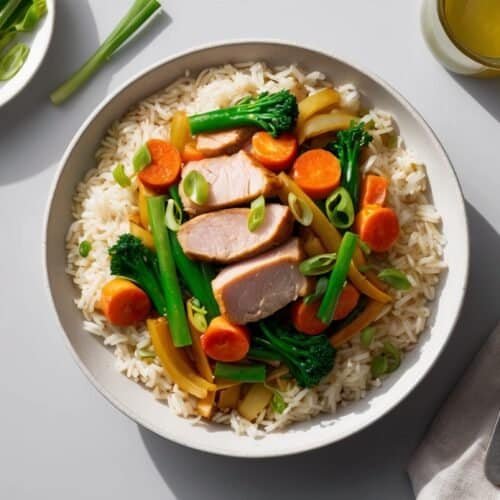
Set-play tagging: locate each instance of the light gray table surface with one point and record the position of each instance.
(59, 438)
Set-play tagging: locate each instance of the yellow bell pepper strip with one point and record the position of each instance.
(171, 358)
(323, 100)
(331, 238)
(228, 398)
(144, 193)
(323, 123)
(180, 133)
(368, 316)
(311, 243)
(255, 400)
(145, 236)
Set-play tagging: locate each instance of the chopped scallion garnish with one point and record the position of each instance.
(84, 248)
(196, 187)
(257, 213)
(119, 175)
(141, 158)
(173, 215)
(302, 213)
(395, 278)
(319, 264)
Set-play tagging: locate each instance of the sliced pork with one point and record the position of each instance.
(223, 142)
(256, 288)
(234, 180)
(224, 237)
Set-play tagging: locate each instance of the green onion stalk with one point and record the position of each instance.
(241, 373)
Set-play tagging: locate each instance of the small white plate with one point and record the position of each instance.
(38, 41)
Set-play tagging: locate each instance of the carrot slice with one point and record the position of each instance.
(274, 153)
(124, 303)
(165, 166)
(317, 172)
(373, 190)
(224, 341)
(190, 153)
(378, 227)
(347, 302)
(304, 318)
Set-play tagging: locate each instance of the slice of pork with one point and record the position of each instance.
(224, 236)
(234, 180)
(223, 142)
(256, 288)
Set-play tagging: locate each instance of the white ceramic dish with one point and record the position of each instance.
(38, 41)
(136, 402)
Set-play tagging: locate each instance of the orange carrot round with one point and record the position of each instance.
(274, 153)
(165, 166)
(224, 341)
(124, 303)
(373, 190)
(378, 227)
(347, 302)
(190, 153)
(317, 172)
(304, 317)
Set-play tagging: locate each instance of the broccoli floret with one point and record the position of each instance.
(308, 357)
(275, 113)
(347, 148)
(132, 260)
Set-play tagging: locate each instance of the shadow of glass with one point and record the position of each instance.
(485, 91)
(378, 454)
(32, 115)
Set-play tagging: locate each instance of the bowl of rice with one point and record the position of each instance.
(432, 248)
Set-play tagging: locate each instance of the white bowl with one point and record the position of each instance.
(38, 41)
(136, 402)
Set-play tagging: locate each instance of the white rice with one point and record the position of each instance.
(101, 209)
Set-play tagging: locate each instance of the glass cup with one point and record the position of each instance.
(447, 48)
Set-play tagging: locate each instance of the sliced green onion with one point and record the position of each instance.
(196, 187)
(278, 403)
(320, 290)
(339, 208)
(7, 10)
(120, 177)
(366, 336)
(395, 278)
(302, 213)
(173, 215)
(241, 373)
(84, 248)
(145, 353)
(32, 15)
(197, 314)
(141, 159)
(6, 38)
(337, 277)
(257, 213)
(379, 366)
(364, 247)
(393, 356)
(319, 264)
(137, 15)
(12, 61)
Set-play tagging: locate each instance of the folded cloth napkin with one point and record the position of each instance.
(449, 463)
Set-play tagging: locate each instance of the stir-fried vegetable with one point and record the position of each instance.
(304, 318)
(366, 336)
(347, 302)
(124, 303)
(278, 403)
(257, 213)
(120, 177)
(378, 227)
(84, 248)
(319, 291)
(12, 61)
(173, 215)
(131, 259)
(373, 190)
(319, 264)
(190, 153)
(196, 187)
(315, 103)
(339, 208)
(228, 398)
(168, 274)
(323, 123)
(164, 168)
(225, 341)
(309, 358)
(137, 15)
(241, 373)
(371, 312)
(180, 134)
(347, 148)
(275, 113)
(331, 238)
(395, 278)
(141, 158)
(311, 243)
(301, 211)
(275, 153)
(197, 315)
(145, 236)
(387, 361)
(7, 10)
(144, 194)
(255, 400)
(28, 15)
(337, 277)
(317, 172)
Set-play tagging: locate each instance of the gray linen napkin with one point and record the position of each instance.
(449, 463)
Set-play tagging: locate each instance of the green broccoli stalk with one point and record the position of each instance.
(308, 357)
(347, 148)
(275, 113)
(132, 260)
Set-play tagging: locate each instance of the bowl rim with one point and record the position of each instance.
(50, 20)
(174, 437)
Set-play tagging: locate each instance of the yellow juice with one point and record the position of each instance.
(474, 26)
